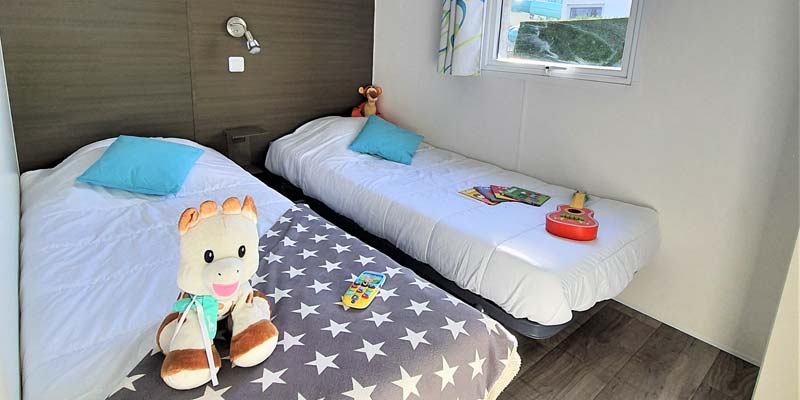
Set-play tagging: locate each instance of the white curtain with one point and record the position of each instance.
(461, 37)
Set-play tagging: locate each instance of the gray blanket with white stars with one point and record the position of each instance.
(414, 341)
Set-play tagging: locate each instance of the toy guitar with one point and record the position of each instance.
(573, 221)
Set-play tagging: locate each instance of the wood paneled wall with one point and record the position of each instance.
(314, 55)
(81, 71)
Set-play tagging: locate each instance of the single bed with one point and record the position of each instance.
(98, 271)
(90, 255)
(501, 253)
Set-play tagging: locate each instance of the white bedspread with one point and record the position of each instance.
(503, 253)
(99, 265)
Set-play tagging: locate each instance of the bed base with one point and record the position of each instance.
(521, 326)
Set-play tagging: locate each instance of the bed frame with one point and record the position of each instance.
(522, 326)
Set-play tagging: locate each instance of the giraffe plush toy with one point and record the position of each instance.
(219, 254)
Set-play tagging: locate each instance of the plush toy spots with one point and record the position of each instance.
(219, 254)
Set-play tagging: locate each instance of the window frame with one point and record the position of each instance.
(491, 45)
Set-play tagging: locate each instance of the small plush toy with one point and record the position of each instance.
(219, 254)
(369, 107)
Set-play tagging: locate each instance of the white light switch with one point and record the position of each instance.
(236, 64)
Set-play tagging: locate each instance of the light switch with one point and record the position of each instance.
(236, 64)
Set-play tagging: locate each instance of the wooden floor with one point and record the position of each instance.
(614, 352)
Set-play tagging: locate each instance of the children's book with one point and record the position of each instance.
(486, 191)
(526, 196)
(472, 193)
(498, 193)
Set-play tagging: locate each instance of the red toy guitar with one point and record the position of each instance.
(573, 221)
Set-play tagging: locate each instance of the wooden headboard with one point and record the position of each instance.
(81, 71)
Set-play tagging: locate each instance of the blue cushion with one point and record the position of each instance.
(386, 140)
(143, 165)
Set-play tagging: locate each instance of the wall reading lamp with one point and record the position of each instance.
(238, 28)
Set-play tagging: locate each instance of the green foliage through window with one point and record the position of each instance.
(595, 41)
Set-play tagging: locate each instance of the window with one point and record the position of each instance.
(583, 39)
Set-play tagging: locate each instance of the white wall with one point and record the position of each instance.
(698, 137)
(9, 248)
(780, 376)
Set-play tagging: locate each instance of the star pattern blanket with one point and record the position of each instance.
(415, 341)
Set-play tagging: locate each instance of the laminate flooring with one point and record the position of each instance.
(615, 352)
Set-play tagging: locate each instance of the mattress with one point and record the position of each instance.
(98, 268)
(502, 253)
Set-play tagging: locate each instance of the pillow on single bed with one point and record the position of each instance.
(386, 140)
(143, 165)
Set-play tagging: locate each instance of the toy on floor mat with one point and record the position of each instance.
(573, 221)
(219, 254)
(369, 107)
(363, 289)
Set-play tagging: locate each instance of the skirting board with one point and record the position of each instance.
(698, 336)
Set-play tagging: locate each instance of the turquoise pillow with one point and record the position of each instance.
(143, 165)
(386, 140)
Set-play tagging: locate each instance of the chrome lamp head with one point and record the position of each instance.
(237, 28)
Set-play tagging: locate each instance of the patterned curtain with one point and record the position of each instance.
(460, 41)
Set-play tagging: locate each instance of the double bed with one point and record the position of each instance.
(98, 269)
(501, 253)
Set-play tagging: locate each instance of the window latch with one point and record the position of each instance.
(549, 68)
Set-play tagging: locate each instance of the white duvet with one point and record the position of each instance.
(98, 269)
(501, 253)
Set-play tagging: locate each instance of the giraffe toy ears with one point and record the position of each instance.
(192, 216)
